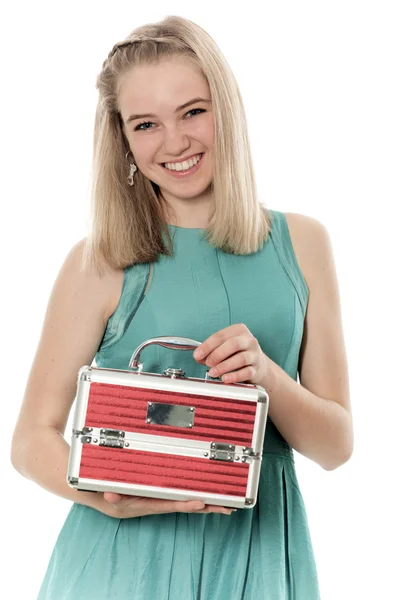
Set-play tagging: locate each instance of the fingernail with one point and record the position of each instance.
(198, 353)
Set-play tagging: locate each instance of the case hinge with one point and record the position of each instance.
(85, 435)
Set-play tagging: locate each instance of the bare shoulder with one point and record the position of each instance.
(77, 311)
(106, 287)
(304, 224)
(311, 243)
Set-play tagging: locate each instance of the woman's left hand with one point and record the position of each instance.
(234, 355)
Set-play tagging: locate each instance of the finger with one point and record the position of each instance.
(233, 363)
(229, 348)
(189, 506)
(112, 497)
(157, 505)
(242, 375)
(119, 499)
(216, 509)
(216, 339)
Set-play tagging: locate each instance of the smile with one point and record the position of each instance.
(186, 168)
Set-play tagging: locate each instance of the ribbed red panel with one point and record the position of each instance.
(216, 419)
(163, 470)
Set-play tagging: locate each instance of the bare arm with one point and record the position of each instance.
(77, 313)
(315, 416)
(73, 327)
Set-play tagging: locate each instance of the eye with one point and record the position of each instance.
(139, 127)
(194, 109)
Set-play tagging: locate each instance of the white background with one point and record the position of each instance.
(320, 82)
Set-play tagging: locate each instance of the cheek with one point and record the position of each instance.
(208, 131)
(203, 130)
(144, 150)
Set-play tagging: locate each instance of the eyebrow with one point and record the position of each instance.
(133, 117)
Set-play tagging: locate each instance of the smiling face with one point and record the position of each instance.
(167, 117)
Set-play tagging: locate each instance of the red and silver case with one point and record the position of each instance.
(167, 435)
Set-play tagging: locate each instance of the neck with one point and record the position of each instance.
(191, 213)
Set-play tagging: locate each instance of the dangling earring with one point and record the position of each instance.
(133, 169)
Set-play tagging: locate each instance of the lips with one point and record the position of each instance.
(183, 160)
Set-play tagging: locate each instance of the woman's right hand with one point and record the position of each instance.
(123, 506)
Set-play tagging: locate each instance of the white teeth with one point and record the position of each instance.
(184, 165)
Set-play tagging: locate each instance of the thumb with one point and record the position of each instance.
(112, 497)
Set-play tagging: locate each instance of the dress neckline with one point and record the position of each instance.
(175, 227)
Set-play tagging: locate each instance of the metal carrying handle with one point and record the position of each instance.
(174, 343)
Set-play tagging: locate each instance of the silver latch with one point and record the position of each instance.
(230, 453)
(112, 438)
(224, 452)
(173, 373)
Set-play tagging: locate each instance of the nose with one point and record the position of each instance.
(175, 142)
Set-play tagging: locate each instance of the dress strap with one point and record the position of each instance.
(282, 242)
(135, 284)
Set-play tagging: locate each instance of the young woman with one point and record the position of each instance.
(173, 186)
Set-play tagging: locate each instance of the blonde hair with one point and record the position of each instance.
(126, 223)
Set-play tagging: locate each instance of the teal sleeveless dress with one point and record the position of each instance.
(263, 553)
